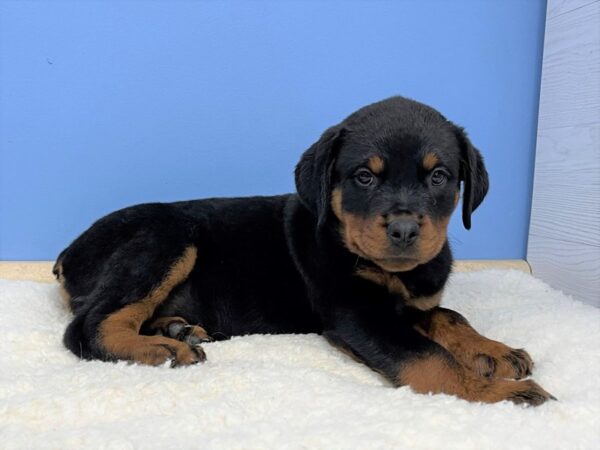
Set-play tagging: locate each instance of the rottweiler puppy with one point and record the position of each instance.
(359, 255)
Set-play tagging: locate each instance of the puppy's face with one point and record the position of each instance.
(393, 177)
(393, 192)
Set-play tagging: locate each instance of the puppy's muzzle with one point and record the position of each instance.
(403, 232)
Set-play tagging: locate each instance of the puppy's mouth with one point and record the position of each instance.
(397, 263)
(396, 260)
(389, 263)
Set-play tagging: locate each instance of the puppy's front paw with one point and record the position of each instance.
(529, 393)
(516, 363)
(526, 392)
(500, 361)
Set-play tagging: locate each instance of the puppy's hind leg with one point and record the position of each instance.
(137, 285)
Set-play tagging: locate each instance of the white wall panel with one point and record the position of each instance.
(564, 235)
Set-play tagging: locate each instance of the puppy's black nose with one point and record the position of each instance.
(403, 232)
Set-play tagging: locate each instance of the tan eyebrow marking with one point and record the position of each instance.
(375, 164)
(430, 161)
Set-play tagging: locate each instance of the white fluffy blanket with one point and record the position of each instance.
(295, 391)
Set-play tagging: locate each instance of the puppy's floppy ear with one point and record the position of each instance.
(314, 172)
(472, 174)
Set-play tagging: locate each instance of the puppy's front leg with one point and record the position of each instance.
(487, 357)
(406, 357)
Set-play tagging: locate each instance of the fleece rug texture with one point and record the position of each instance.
(295, 391)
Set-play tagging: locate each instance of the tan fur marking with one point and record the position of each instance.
(432, 374)
(119, 332)
(470, 348)
(375, 164)
(437, 375)
(425, 303)
(352, 227)
(367, 237)
(395, 285)
(432, 238)
(430, 161)
(382, 278)
(199, 332)
(336, 204)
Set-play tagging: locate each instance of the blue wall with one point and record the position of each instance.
(106, 104)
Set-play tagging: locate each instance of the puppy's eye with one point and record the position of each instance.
(438, 177)
(364, 178)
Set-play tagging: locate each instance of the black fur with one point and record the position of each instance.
(279, 264)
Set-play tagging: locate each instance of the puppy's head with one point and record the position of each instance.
(389, 178)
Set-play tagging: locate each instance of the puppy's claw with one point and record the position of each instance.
(532, 395)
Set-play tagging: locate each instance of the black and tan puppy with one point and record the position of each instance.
(359, 255)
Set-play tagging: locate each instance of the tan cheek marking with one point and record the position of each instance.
(359, 235)
(370, 234)
(433, 237)
(375, 164)
(430, 161)
(336, 203)
(336, 207)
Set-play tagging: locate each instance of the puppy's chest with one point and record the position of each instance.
(409, 293)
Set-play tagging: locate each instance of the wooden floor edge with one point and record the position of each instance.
(42, 270)
(473, 265)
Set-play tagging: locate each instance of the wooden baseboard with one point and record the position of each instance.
(42, 270)
(472, 265)
(27, 270)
